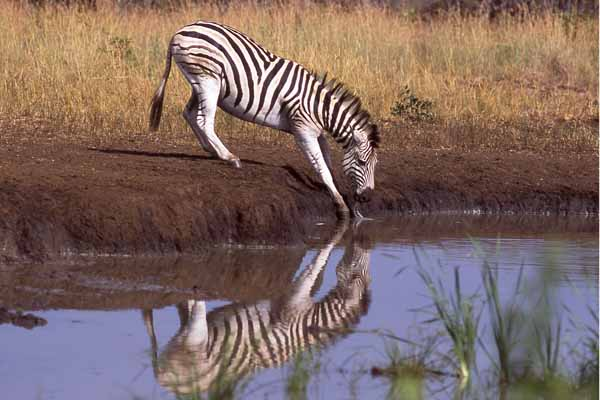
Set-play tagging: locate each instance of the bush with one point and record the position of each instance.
(413, 108)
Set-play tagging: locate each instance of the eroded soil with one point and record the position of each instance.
(248, 275)
(27, 321)
(60, 196)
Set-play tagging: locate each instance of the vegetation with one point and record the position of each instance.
(510, 83)
(300, 372)
(519, 326)
(457, 315)
(411, 107)
(506, 322)
(526, 355)
(405, 372)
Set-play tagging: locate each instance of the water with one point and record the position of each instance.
(137, 328)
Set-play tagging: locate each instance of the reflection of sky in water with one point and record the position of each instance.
(100, 355)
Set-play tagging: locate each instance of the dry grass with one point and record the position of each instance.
(512, 84)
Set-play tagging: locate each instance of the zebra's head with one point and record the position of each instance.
(359, 161)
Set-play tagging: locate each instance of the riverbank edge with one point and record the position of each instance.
(124, 210)
(48, 238)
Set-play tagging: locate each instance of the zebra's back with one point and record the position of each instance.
(255, 83)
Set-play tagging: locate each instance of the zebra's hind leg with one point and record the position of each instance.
(202, 119)
(195, 330)
(189, 114)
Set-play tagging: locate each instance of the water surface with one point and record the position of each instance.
(159, 328)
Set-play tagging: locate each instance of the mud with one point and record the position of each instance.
(141, 197)
(27, 321)
(109, 283)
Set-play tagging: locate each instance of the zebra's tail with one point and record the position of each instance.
(159, 95)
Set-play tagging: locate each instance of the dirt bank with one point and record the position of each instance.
(27, 321)
(146, 197)
(242, 275)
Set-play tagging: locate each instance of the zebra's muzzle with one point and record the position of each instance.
(364, 196)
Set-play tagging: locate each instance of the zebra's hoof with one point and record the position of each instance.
(236, 163)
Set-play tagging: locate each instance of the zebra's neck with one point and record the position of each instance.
(339, 112)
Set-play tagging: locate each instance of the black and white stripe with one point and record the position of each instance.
(240, 338)
(230, 70)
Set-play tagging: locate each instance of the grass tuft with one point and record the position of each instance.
(406, 373)
(457, 315)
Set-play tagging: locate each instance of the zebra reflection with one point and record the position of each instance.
(239, 339)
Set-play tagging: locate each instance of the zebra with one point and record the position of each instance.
(239, 339)
(227, 69)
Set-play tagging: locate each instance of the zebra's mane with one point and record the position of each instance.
(349, 99)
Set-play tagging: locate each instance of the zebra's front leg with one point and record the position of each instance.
(309, 144)
(148, 318)
(304, 285)
(325, 150)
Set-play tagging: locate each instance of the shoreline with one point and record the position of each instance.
(137, 197)
(248, 274)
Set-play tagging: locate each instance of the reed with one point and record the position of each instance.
(456, 313)
(506, 323)
(301, 370)
(586, 352)
(517, 83)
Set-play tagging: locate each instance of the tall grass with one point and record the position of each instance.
(525, 83)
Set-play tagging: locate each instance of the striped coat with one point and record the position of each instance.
(239, 339)
(226, 69)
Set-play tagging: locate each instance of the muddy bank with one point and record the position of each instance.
(108, 283)
(58, 198)
(246, 276)
(27, 321)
